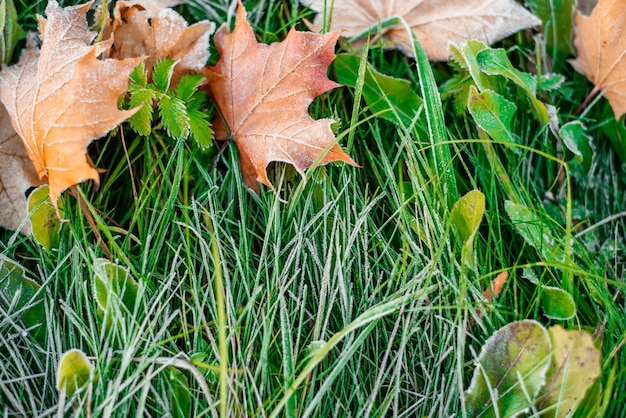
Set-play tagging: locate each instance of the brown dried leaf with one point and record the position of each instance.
(600, 40)
(63, 97)
(17, 175)
(435, 23)
(145, 28)
(263, 93)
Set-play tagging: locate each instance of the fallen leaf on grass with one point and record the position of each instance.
(600, 41)
(436, 24)
(16, 176)
(62, 97)
(263, 93)
(148, 28)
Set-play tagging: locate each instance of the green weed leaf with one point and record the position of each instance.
(188, 85)
(141, 121)
(389, 98)
(466, 215)
(174, 115)
(74, 371)
(575, 138)
(43, 218)
(112, 280)
(512, 366)
(493, 113)
(532, 229)
(19, 294)
(139, 76)
(162, 74)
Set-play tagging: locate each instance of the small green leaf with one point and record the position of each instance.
(174, 115)
(139, 76)
(496, 62)
(112, 280)
(575, 138)
(466, 214)
(493, 113)
(574, 368)
(530, 227)
(465, 56)
(512, 366)
(43, 218)
(141, 121)
(188, 85)
(557, 303)
(389, 98)
(20, 294)
(550, 82)
(74, 371)
(162, 73)
(200, 128)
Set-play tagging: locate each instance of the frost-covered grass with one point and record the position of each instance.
(341, 295)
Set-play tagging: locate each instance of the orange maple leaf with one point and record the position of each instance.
(62, 97)
(600, 41)
(263, 93)
(435, 23)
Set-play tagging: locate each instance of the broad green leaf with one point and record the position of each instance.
(112, 280)
(465, 55)
(10, 31)
(512, 366)
(530, 227)
(74, 371)
(162, 74)
(390, 98)
(43, 218)
(575, 138)
(141, 121)
(188, 85)
(496, 62)
(557, 303)
(18, 294)
(493, 113)
(174, 115)
(466, 215)
(574, 368)
(556, 16)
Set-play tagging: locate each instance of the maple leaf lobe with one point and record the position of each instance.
(600, 42)
(264, 92)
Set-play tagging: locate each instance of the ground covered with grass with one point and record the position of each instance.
(345, 294)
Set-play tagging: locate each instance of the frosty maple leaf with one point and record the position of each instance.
(435, 23)
(62, 97)
(600, 41)
(148, 28)
(17, 175)
(263, 93)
